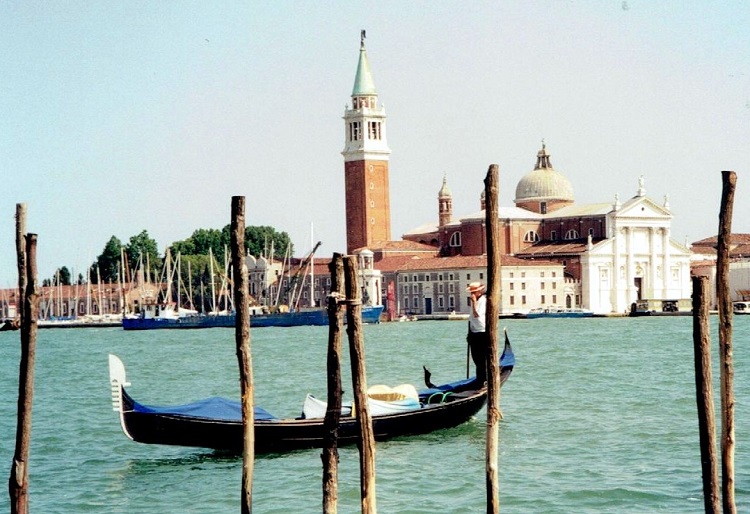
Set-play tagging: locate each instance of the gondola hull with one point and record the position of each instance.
(291, 434)
(192, 425)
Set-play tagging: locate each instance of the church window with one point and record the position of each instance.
(531, 237)
(571, 234)
(372, 204)
(372, 221)
(372, 185)
(455, 239)
(355, 131)
(543, 207)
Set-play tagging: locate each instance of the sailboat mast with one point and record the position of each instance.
(312, 270)
(213, 289)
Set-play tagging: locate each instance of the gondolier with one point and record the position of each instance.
(477, 336)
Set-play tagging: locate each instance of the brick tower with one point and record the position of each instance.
(368, 211)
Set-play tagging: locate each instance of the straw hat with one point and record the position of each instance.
(475, 287)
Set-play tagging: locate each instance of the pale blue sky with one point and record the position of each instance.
(117, 117)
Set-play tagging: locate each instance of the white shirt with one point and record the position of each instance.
(476, 324)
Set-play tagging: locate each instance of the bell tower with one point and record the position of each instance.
(366, 153)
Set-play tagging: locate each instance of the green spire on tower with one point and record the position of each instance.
(363, 83)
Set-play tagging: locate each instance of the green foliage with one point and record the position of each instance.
(64, 275)
(258, 240)
(143, 251)
(107, 265)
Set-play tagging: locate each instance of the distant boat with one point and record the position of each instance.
(741, 307)
(217, 422)
(558, 312)
(151, 319)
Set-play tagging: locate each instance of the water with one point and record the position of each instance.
(600, 417)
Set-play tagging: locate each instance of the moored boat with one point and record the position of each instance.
(303, 317)
(741, 307)
(558, 312)
(217, 422)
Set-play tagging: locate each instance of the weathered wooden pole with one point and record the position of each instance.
(21, 254)
(729, 182)
(704, 396)
(366, 441)
(18, 485)
(330, 455)
(244, 357)
(491, 188)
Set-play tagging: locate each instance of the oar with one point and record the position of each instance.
(468, 352)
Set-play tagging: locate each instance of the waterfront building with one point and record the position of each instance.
(437, 285)
(615, 253)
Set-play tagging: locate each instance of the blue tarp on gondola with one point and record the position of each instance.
(215, 408)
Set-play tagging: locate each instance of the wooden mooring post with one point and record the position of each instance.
(366, 441)
(726, 359)
(330, 455)
(18, 484)
(704, 396)
(491, 188)
(244, 357)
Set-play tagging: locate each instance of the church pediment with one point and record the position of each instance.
(641, 207)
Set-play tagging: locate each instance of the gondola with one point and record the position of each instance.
(216, 423)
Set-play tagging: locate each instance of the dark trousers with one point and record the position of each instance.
(479, 345)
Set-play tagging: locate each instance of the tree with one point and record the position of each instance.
(64, 275)
(106, 268)
(141, 249)
(258, 240)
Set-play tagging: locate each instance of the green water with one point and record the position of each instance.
(599, 417)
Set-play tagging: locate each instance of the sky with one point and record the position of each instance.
(118, 117)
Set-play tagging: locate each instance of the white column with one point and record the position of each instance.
(666, 263)
(653, 263)
(614, 279)
(630, 273)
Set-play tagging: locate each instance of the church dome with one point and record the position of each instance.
(544, 183)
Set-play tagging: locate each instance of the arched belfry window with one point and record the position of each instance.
(531, 237)
(455, 239)
(571, 234)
